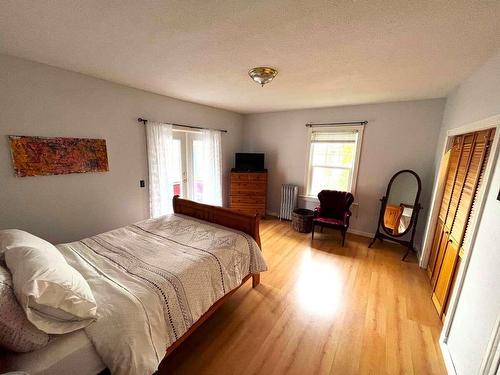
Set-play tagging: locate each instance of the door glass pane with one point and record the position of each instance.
(177, 168)
(197, 170)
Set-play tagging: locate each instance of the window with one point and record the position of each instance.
(333, 158)
(188, 165)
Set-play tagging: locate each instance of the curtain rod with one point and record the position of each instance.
(310, 125)
(144, 121)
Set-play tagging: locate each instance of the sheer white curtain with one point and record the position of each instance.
(212, 167)
(160, 160)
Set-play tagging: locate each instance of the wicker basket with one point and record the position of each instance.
(302, 220)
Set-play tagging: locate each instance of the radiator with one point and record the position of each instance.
(288, 201)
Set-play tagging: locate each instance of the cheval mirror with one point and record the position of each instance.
(399, 210)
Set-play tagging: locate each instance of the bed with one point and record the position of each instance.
(154, 282)
(72, 353)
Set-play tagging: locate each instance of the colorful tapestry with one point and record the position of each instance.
(41, 156)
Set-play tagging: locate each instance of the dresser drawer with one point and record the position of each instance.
(247, 205)
(247, 199)
(246, 193)
(248, 177)
(235, 177)
(248, 186)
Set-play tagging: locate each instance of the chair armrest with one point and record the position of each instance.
(347, 215)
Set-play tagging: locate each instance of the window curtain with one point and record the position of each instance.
(160, 158)
(212, 167)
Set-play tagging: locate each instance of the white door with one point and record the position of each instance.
(179, 168)
(188, 172)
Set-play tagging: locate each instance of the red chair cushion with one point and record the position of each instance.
(328, 220)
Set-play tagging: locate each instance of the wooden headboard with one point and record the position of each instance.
(219, 215)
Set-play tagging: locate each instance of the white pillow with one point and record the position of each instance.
(55, 297)
(11, 238)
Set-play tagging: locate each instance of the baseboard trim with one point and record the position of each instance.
(350, 230)
(448, 361)
(360, 233)
(491, 360)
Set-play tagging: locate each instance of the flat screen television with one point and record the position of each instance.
(249, 162)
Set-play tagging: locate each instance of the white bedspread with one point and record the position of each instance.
(153, 280)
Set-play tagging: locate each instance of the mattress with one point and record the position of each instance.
(72, 353)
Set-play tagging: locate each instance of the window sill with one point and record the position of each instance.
(309, 198)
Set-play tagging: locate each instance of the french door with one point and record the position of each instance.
(188, 163)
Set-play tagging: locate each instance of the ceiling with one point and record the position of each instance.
(327, 52)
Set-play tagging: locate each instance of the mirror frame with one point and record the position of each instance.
(417, 197)
(384, 234)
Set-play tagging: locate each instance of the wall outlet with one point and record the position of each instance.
(142, 183)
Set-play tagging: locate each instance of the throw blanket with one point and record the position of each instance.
(153, 280)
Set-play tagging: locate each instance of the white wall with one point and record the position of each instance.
(477, 98)
(400, 135)
(37, 99)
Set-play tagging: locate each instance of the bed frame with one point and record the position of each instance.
(222, 216)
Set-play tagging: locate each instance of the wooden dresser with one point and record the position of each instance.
(248, 192)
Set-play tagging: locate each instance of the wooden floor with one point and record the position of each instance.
(320, 309)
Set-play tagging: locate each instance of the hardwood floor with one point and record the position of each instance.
(320, 309)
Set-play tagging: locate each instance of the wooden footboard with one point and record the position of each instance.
(235, 220)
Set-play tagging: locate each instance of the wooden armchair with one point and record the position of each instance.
(333, 211)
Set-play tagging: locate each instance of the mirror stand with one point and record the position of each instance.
(380, 235)
(399, 210)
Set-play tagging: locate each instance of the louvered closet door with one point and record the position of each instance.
(448, 214)
(441, 234)
(448, 168)
(468, 174)
(473, 211)
(463, 167)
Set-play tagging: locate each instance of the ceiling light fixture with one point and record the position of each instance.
(262, 74)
